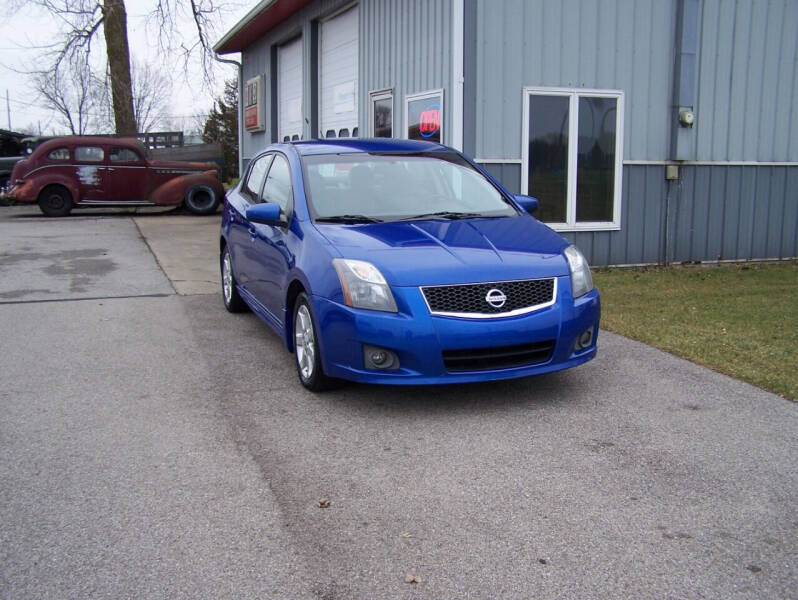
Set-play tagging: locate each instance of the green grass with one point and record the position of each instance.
(739, 320)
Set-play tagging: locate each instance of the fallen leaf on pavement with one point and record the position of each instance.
(410, 578)
(323, 503)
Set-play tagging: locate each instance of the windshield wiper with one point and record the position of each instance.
(348, 219)
(443, 215)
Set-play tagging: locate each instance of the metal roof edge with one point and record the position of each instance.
(238, 27)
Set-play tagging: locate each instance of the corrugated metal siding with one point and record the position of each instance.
(256, 60)
(736, 212)
(405, 45)
(748, 81)
(713, 213)
(609, 44)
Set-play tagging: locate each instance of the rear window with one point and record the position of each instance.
(89, 153)
(123, 155)
(59, 154)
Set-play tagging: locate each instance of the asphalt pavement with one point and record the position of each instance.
(155, 446)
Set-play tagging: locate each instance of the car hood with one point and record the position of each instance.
(444, 252)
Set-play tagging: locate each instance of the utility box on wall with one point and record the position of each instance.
(253, 105)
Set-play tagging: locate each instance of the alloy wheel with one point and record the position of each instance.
(305, 342)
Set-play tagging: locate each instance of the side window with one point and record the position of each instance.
(123, 155)
(256, 176)
(278, 185)
(89, 154)
(59, 154)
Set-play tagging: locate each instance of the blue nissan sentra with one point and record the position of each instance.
(402, 262)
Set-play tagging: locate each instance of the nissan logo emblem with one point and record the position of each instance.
(496, 298)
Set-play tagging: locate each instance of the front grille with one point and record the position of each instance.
(482, 359)
(472, 298)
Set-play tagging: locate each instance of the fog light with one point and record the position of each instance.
(585, 339)
(379, 358)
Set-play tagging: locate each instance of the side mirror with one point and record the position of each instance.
(528, 203)
(267, 213)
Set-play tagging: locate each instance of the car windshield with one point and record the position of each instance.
(389, 187)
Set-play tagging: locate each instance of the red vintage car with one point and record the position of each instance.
(83, 171)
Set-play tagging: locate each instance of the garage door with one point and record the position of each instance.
(338, 76)
(289, 91)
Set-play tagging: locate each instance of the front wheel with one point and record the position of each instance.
(306, 348)
(202, 200)
(55, 201)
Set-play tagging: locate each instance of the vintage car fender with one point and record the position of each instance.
(174, 191)
(34, 183)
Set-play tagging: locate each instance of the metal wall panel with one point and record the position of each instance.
(747, 81)
(712, 213)
(608, 44)
(406, 45)
(257, 60)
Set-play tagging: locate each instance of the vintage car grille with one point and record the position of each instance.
(482, 359)
(471, 299)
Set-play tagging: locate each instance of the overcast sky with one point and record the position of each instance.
(31, 26)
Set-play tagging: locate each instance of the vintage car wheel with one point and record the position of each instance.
(201, 200)
(307, 349)
(55, 201)
(230, 296)
(4, 179)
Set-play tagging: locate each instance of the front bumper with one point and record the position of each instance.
(18, 194)
(419, 339)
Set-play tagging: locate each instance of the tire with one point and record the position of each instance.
(230, 296)
(4, 179)
(55, 201)
(202, 200)
(307, 353)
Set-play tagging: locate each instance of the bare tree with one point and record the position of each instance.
(82, 19)
(72, 92)
(152, 91)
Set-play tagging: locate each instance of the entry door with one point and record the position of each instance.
(128, 176)
(289, 91)
(338, 63)
(91, 173)
(274, 258)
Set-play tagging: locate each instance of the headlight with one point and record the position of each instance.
(581, 280)
(363, 285)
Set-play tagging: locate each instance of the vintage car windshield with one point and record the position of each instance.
(389, 187)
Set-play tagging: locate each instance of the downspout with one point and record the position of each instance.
(240, 109)
(456, 140)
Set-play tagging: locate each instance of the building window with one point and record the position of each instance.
(381, 113)
(572, 156)
(424, 116)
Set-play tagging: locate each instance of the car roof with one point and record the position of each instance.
(88, 140)
(350, 145)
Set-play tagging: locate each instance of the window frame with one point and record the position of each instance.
(59, 160)
(289, 209)
(139, 160)
(245, 191)
(374, 96)
(573, 94)
(101, 160)
(424, 96)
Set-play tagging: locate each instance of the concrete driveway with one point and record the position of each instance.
(156, 446)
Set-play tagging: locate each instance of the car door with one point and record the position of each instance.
(128, 179)
(90, 173)
(239, 239)
(273, 257)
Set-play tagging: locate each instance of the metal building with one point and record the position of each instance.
(651, 131)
